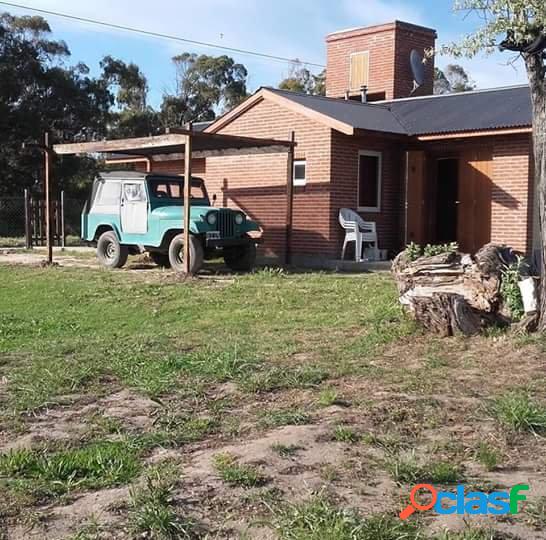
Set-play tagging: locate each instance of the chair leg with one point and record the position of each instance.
(358, 248)
(343, 249)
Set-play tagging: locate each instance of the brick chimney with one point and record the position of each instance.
(377, 57)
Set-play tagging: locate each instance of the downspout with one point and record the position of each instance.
(406, 191)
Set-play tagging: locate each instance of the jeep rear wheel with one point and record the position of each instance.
(110, 252)
(176, 254)
(161, 259)
(241, 258)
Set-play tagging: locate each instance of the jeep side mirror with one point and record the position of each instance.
(214, 197)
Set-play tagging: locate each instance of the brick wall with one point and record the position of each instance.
(389, 46)
(408, 38)
(512, 194)
(511, 185)
(175, 166)
(257, 183)
(345, 151)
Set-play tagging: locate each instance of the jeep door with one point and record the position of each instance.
(134, 208)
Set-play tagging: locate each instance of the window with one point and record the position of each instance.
(300, 171)
(134, 192)
(359, 70)
(369, 181)
(109, 194)
(174, 189)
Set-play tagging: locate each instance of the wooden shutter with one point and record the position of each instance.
(474, 212)
(415, 197)
(360, 63)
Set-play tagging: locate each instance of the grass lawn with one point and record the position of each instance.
(272, 405)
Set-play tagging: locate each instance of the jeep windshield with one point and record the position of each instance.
(171, 189)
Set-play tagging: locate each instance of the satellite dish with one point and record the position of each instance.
(417, 69)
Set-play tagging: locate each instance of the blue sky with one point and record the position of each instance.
(290, 28)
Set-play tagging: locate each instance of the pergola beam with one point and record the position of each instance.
(121, 145)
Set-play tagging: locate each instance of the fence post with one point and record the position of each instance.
(63, 235)
(28, 234)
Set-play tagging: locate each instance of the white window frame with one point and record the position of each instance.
(299, 181)
(379, 156)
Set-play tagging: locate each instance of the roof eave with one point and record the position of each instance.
(284, 102)
(474, 133)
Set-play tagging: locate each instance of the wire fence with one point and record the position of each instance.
(12, 219)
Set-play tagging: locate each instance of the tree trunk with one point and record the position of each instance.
(454, 293)
(536, 74)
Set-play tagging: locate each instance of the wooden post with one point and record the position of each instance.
(187, 193)
(28, 237)
(289, 200)
(63, 233)
(47, 190)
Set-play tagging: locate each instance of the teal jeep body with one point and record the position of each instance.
(129, 212)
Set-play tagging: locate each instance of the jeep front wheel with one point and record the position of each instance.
(176, 254)
(241, 258)
(110, 252)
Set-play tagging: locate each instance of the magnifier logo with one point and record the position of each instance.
(414, 505)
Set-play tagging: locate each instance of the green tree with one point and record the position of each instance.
(453, 78)
(300, 79)
(519, 26)
(37, 93)
(131, 116)
(205, 85)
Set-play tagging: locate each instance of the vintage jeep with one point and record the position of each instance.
(130, 212)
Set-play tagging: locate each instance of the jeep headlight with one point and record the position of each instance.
(212, 218)
(239, 218)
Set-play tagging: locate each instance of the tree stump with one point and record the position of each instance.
(454, 293)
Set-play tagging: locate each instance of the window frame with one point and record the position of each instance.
(142, 189)
(379, 180)
(300, 181)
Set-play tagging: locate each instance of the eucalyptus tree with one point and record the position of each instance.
(518, 26)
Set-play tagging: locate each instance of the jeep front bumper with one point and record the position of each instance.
(212, 241)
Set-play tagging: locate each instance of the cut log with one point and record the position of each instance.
(447, 314)
(454, 293)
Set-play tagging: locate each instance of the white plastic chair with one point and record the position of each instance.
(358, 231)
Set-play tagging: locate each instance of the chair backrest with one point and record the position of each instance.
(349, 218)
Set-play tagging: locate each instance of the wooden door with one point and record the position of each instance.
(416, 215)
(474, 205)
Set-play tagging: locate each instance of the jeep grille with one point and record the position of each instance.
(226, 223)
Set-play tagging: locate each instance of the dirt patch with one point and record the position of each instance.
(428, 399)
(63, 521)
(134, 412)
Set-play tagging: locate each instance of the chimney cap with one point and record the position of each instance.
(363, 30)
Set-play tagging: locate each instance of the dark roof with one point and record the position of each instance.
(467, 111)
(449, 113)
(201, 126)
(359, 115)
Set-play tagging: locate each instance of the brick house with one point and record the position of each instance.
(424, 168)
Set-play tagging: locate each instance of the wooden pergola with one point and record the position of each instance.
(188, 144)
